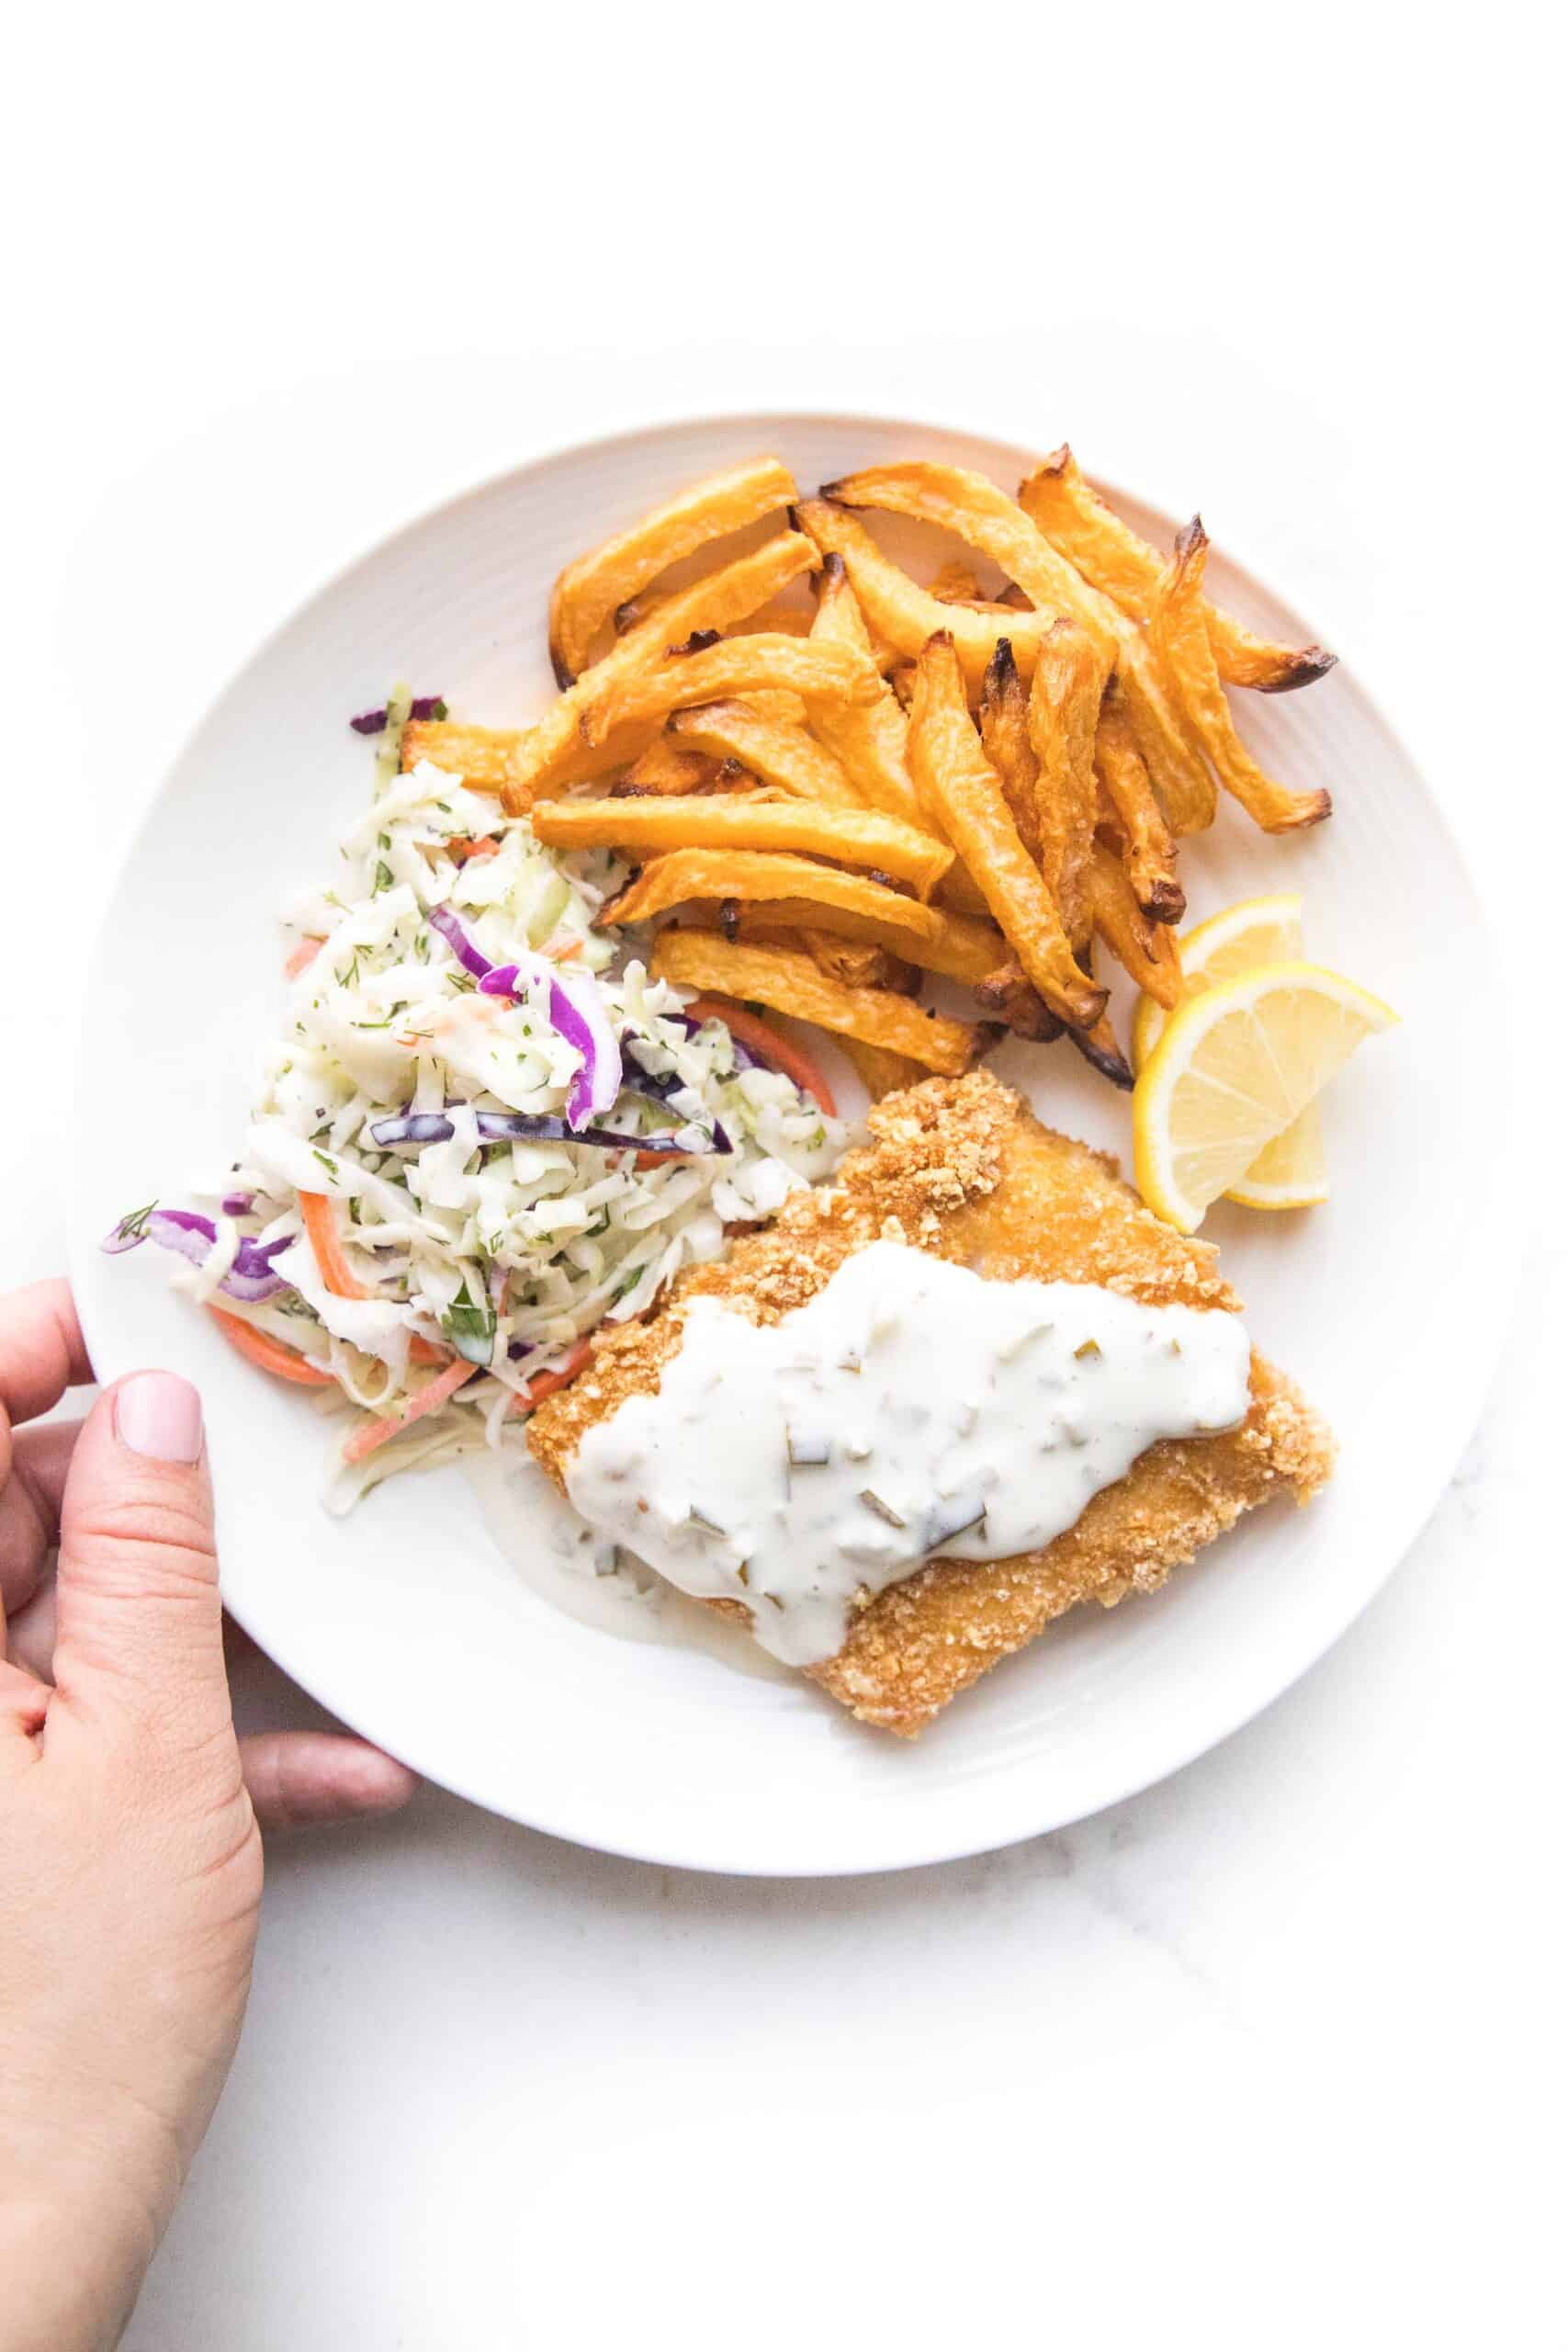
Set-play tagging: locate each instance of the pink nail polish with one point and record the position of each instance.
(157, 1414)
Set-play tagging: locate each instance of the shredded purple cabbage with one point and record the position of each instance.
(250, 1278)
(476, 964)
(598, 1081)
(637, 1080)
(237, 1203)
(373, 722)
(522, 1126)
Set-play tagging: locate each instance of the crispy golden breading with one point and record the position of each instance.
(961, 1167)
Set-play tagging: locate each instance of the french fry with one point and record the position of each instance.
(906, 613)
(1109, 553)
(870, 742)
(779, 618)
(1101, 1049)
(963, 948)
(587, 592)
(858, 965)
(686, 874)
(1004, 735)
(1180, 631)
(482, 757)
(1064, 711)
(1008, 993)
(954, 776)
(1177, 771)
(954, 584)
(880, 1073)
(635, 610)
(1150, 853)
(839, 619)
(791, 983)
(667, 766)
(554, 752)
(1147, 950)
(736, 822)
(856, 962)
(786, 756)
(987, 520)
(901, 678)
(818, 673)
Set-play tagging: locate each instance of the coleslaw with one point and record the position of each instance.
(480, 1134)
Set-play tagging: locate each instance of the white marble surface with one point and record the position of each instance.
(1271, 2054)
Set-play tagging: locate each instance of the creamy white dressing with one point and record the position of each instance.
(589, 1577)
(911, 1410)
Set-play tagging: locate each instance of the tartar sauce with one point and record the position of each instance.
(583, 1575)
(911, 1408)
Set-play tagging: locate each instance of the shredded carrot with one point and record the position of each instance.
(261, 1348)
(765, 1042)
(327, 1250)
(564, 953)
(320, 1225)
(306, 953)
(544, 1383)
(464, 846)
(370, 1434)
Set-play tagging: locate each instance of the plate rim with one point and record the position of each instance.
(902, 1849)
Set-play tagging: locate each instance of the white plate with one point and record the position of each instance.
(1387, 1303)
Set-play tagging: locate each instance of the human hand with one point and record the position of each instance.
(130, 1863)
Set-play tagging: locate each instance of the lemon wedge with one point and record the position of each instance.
(1291, 1172)
(1234, 1068)
(1252, 932)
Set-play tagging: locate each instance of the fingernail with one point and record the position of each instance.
(159, 1414)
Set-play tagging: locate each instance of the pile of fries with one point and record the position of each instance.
(835, 796)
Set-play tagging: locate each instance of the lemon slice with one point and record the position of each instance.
(1291, 1172)
(1236, 1064)
(1252, 932)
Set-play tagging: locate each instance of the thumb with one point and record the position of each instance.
(139, 1613)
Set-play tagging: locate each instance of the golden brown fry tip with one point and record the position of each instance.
(1180, 632)
(1006, 992)
(1122, 566)
(1100, 1049)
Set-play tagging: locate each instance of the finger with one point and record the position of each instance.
(24, 1702)
(42, 1353)
(140, 1618)
(301, 1780)
(32, 1634)
(29, 1507)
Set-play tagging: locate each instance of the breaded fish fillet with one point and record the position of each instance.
(960, 1167)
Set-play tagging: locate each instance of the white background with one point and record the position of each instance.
(1271, 2055)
